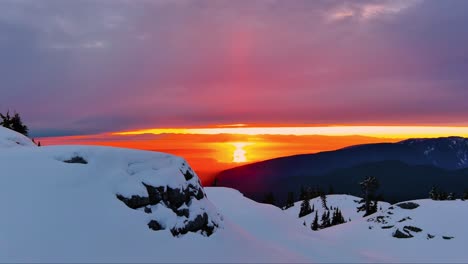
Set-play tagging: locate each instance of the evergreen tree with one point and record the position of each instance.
(269, 199)
(442, 196)
(368, 186)
(465, 195)
(375, 205)
(433, 193)
(14, 123)
(313, 208)
(325, 219)
(305, 208)
(334, 218)
(323, 197)
(38, 143)
(290, 200)
(6, 120)
(337, 217)
(341, 217)
(451, 196)
(315, 225)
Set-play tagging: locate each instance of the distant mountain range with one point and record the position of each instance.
(406, 170)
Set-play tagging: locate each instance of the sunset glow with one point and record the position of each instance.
(239, 155)
(371, 131)
(218, 147)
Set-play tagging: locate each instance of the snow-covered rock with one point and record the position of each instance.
(161, 187)
(12, 139)
(422, 219)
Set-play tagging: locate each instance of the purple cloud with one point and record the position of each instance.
(94, 66)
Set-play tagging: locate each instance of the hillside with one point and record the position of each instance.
(395, 164)
(363, 239)
(346, 203)
(11, 139)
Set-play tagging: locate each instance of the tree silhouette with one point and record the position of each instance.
(368, 186)
(289, 200)
(14, 123)
(323, 197)
(315, 224)
(305, 208)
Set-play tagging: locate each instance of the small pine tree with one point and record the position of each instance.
(325, 219)
(14, 123)
(369, 205)
(313, 208)
(375, 205)
(38, 143)
(465, 196)
(337, 218)
(305, 208)
(290, 200)
(442, 196)
(315, 224)
(433, 193)
(451, 196)
(323, 197)
(334, 218)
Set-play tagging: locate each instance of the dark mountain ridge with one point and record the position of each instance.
(409, 161)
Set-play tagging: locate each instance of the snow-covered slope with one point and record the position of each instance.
(374, 235)
(102, 207)
(11, 139)
(362, 239)
(346, 203)
(99, 204)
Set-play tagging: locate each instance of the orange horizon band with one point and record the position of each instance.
(372, 131)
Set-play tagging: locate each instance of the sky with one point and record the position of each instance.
(86, 67)
(165, 71)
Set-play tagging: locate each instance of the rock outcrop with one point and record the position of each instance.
(181, 208)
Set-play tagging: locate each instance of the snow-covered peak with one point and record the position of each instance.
(12, 139)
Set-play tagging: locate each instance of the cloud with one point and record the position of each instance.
(95, 66)
(364, 11)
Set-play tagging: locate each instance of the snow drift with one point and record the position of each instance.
(11, 139)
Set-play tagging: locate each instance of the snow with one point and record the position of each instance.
(11, 139)
(346, 203)
(54, 211)
(354, 241)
